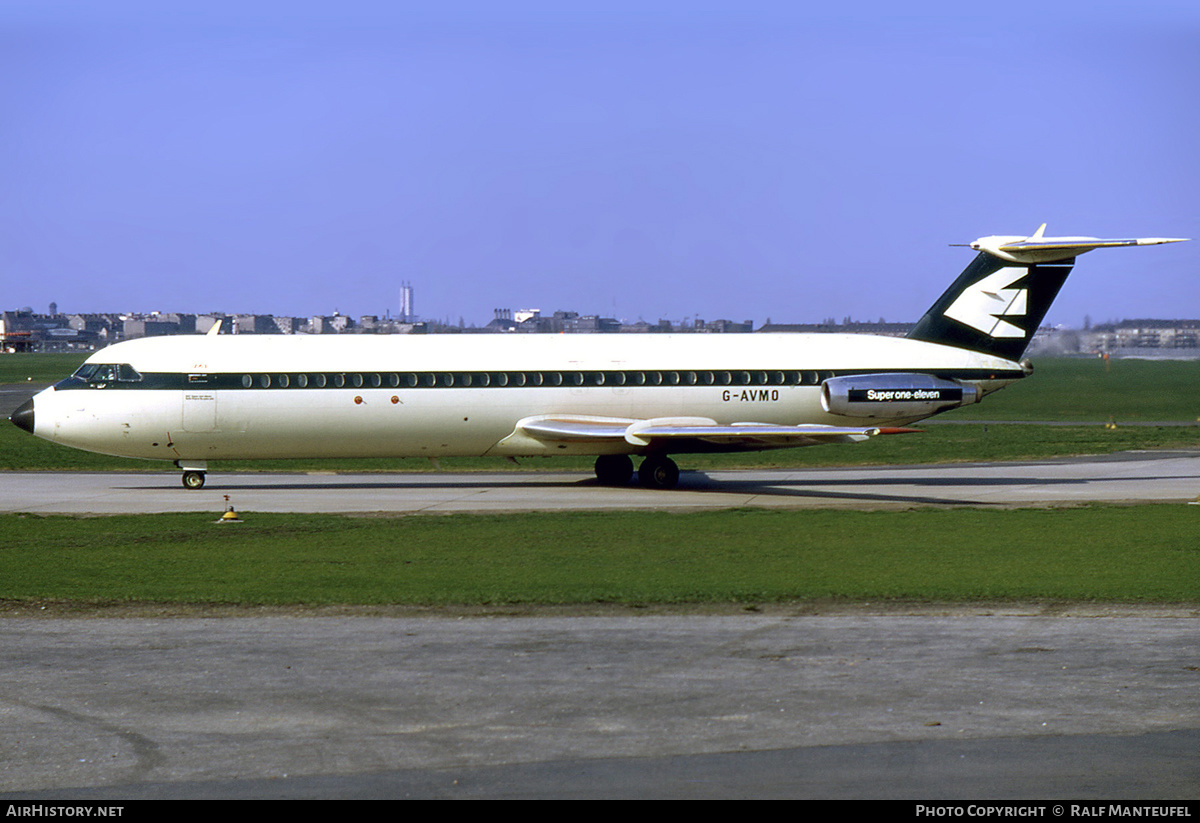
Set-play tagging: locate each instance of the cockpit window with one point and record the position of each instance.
(103, 374)
(107, 373)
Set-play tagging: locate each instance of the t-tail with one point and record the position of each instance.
(997, 303)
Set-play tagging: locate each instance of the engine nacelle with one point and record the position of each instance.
(894, 395)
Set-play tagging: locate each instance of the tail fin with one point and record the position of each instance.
(1000, 299)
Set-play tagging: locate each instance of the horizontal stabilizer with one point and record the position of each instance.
(1037, 248)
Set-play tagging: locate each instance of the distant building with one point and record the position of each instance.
(1143, 334)
(16, 330)
(254, 324)
(407, 314)
(880, 328)
(135, 326)
(723, 326)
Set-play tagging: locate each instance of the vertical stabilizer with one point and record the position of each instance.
(997, 303)
(994, 306)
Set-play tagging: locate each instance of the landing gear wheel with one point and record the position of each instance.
(614, 469)
(658, 472)
(193, 480)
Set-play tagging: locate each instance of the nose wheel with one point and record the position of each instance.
(193, 480)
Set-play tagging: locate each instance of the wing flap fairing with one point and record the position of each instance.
(661, 432)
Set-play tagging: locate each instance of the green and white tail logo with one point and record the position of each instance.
(984, 305)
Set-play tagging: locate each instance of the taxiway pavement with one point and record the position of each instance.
(990, 703)
(1138, 477)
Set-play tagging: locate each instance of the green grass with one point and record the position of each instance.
(1101, 553)
(39, 368)
(1080, 389)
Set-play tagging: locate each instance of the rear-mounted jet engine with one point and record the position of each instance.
(894, 395)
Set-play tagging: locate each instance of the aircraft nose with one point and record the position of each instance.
(23, 417)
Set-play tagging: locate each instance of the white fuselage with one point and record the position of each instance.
(199, 398)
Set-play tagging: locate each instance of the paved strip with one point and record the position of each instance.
(1130, 477)
(868, 705)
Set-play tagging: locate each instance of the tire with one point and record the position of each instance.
(614, 469)
(193, 480)
(658, 472)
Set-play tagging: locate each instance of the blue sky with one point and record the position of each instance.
(746, 160)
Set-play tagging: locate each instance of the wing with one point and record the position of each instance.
(681, 434)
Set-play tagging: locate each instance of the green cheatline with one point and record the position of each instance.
(1101, 553)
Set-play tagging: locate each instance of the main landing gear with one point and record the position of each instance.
(656, 472)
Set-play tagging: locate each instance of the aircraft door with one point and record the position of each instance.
(199, 411)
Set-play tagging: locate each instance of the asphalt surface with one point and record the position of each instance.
(997, 704)
(1122, 478)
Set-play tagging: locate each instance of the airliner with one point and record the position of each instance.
(198, 398)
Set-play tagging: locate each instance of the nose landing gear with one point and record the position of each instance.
(193, 473)
(193, 480)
